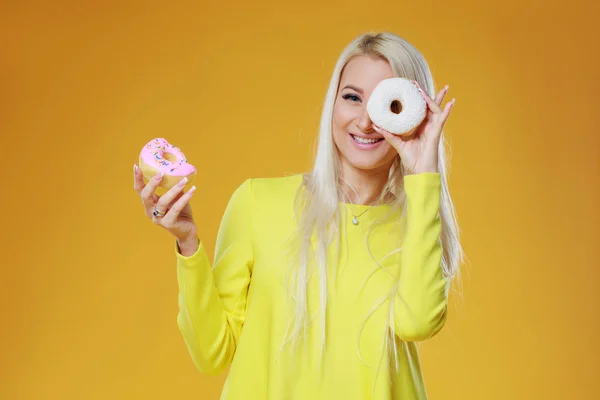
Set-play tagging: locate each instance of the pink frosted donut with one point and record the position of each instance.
(159, 155)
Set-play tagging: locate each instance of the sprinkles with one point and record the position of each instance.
(157, 148)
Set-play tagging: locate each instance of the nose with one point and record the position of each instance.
(364, 122)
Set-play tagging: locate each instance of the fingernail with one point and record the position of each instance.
(158, 176)
(191, 191)
(135, 168)
(182, 182)
(446, 88)
(453, 101)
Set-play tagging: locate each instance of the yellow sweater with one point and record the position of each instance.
(235, 311)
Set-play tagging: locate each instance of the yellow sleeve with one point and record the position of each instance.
(212, 301)
(420, 305)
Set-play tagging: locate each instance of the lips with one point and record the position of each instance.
(366, 139)
(366, 142)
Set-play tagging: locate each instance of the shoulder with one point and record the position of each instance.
(275, 184)
(269, 190)
(252, 188)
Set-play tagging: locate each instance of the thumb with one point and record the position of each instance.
(389, 137)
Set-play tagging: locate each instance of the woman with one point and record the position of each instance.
(323, 282)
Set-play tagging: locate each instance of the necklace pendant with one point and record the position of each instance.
(355, 221)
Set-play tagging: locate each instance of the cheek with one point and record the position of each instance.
(342, 115)
(337, 124)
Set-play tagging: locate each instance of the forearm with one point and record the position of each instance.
(202, 318)
(420, 303)
(213, 296)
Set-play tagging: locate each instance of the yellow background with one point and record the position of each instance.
(88, 291)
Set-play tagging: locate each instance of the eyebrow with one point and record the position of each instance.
(359, 90)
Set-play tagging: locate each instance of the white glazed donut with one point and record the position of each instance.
(410, 104)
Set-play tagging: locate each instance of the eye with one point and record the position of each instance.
(351, 96)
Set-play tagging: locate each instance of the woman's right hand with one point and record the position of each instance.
(178, 219)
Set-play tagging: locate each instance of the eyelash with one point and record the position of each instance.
(346, 96)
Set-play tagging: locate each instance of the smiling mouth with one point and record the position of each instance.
(362, 140)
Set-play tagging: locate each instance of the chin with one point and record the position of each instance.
(366, 165)
(367, 162)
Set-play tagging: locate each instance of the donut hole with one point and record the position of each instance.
(396, 107)
(170, 157)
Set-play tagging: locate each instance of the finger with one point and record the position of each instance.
(388, 136)
(149, 189)
(171, 216)
(138, 180)
(440, 96)
(447, 110)
(392, 139)
(381, 130)
(430, 102)
(166, 199)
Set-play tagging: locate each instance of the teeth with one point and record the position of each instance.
(365, 141)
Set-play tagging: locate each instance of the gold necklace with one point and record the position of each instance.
(355, 219)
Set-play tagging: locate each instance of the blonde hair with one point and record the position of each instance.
(319, 196)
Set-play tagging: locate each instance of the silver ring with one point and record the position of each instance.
(157, 213)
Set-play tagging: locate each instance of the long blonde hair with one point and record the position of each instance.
(318, 197)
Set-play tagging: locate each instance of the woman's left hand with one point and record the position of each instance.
(419, 152)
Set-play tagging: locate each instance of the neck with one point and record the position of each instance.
(362, 186)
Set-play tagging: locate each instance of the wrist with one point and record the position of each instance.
(189, 245)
